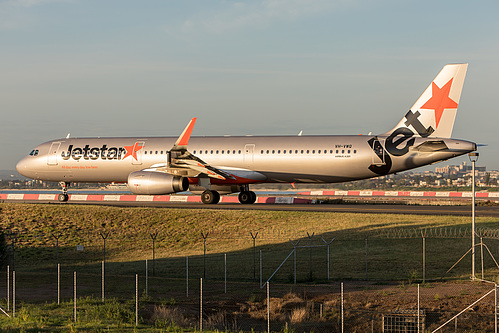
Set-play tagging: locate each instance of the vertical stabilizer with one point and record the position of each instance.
(434, 112)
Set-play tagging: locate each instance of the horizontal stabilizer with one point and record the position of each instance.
(431, 146)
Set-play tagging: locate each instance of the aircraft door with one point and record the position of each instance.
(138, 149)
(249, 150)
(52, 155)
(379, 153)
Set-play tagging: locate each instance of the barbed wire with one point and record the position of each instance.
(436, 233)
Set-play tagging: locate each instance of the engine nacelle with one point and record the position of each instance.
(151, 182)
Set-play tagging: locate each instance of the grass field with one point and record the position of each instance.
(33, 228)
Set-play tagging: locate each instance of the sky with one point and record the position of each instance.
(144, 68)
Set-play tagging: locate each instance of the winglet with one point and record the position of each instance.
(183, 139)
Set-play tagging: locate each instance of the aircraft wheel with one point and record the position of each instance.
(210, 197)
(247, 197)
(63, 197)
(253, 197)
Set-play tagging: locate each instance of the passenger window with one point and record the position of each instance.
(302, 151)
(145, 152)
(355, 151)
(239, 151)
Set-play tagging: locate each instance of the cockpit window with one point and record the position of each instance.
(34, 152)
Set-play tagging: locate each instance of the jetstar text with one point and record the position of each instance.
(94, 153)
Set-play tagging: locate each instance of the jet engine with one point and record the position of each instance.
(151, 182)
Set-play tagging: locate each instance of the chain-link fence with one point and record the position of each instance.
(380, 274)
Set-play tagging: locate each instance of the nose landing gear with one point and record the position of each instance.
(63, 197)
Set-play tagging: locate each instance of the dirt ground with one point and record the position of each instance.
(318, 308)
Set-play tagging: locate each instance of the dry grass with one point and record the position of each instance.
(298, 315)
(179, 234)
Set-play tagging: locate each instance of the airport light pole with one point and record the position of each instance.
(473, 158)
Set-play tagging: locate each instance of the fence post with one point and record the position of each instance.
(481, 253)
(58, 284)
(147, 279)
(204, 255)
(261, 273)
(102, 282)
(342, 313)
(201, 305)
(254, 253)
(74, 292)
(367, 276)
(187, 275)
(495, 308)
(136, 299)
(225, 271)
(57, 236)
(153, 237)
(13, 293)
(268, 307)
(424, 259)
(104, 236)
(418, 309)
(310, 262)
(328, 257)
(8, 288)
(294, 265)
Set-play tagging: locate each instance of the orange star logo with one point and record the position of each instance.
(132, 150)
(440, 100)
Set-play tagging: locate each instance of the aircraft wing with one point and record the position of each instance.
(182, 163)
(189, 161)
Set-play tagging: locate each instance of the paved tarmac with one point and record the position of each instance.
(345, 208)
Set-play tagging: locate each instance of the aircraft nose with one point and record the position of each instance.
(23, 167)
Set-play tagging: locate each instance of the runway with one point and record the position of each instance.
(338, 208)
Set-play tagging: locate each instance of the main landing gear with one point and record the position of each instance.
(210, 197)
(63, 197)
(213, 197)
(246, 196)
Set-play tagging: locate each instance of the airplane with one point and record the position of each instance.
(214, 166)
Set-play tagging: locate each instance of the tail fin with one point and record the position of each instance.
(434, 112)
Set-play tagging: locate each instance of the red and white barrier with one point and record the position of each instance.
(143, 198)
(492, 195)
(234, 199)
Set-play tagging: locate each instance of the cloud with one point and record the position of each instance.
(255, 14)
